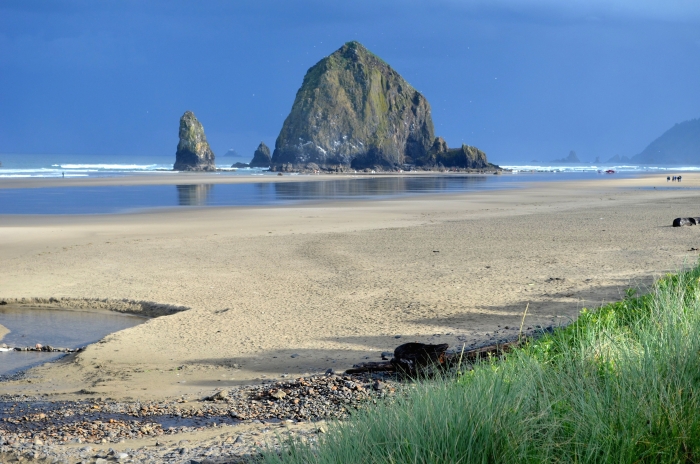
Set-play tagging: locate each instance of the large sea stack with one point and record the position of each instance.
(354, 110)
(261, 157)
(193, 152)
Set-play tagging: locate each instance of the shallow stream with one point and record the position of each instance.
(56, 327)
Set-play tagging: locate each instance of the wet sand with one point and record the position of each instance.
(278, 291)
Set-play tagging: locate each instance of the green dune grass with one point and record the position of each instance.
(621, 384)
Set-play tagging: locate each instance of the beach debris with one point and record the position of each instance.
(411, 358)
(688, 221)
(41, 348)
(414, 359)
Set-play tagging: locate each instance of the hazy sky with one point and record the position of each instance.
(520, 79)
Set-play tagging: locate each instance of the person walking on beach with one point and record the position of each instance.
(63, 174)
(678, 178)
(668, 178)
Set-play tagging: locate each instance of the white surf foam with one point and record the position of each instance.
(118, 167)
(598, 167)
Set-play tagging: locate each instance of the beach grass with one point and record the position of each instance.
(621, 384)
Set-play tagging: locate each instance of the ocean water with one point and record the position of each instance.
(42, 165)
(48, 165)
(121, 199)
(601, 168)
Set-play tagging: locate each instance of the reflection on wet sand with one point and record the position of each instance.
(193, 195)
(124, 198)
(374, 187)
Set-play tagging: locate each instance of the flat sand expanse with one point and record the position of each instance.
(289, 290)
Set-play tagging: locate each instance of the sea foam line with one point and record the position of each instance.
(110, 166)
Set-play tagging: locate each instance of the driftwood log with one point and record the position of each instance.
(413, 358)
(689, 221)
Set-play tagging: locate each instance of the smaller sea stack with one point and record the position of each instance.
(261, 157)
(193, 152)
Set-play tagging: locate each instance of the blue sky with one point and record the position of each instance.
(522, 80)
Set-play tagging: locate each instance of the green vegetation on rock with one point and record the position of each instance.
(193, 152)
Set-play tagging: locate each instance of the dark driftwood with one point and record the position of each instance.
(690, 221)
(483, 352)
(411, 359)
(371, 367)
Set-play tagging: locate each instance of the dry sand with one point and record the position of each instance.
(335, 283)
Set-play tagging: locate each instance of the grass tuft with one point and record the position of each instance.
(621, 384)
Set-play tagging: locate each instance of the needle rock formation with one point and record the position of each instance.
(193, 152)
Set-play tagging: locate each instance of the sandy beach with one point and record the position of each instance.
(276, 291)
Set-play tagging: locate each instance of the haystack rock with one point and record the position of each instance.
(193, 152)
(354, 110)
(261, 157)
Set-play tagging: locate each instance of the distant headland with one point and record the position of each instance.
(678, 145)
